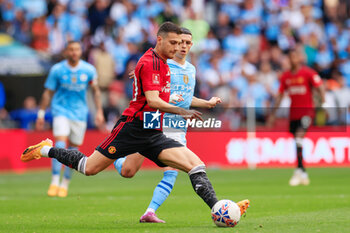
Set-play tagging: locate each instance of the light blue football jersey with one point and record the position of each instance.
(183, 81)
(70, 86)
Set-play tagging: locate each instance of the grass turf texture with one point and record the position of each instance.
(109, 203)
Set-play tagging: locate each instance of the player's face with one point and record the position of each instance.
(185, 46)
(169, 44)
(74, 52)
(294, 58)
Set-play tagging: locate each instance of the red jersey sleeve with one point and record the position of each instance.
(314, 78)
(150, 78)
(282, 88)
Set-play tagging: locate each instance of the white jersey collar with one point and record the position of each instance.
(178, 64)
(73, 69)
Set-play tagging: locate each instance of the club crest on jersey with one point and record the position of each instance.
(83, 77)
(155, 78)
(186, 79)
(112, 149)
(300, 80)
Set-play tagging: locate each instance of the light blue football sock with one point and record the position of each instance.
(118, 164)
(56, 166)
(163, 189)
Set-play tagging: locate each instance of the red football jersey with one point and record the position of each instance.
(299, 88)
(152, 73)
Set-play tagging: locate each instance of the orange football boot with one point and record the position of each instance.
(33, 152)
(243, 205)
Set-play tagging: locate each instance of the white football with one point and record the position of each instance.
(226, 213)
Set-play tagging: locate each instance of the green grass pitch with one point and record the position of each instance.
(109, 203)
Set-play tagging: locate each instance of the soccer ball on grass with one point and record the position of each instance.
(226, 213)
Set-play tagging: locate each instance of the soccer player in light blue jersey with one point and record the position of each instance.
(183, 80)
(66, 88)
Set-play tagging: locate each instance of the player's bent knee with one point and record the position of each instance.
(91, 171)
(128, 172)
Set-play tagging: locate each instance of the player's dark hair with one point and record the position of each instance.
(72, 42)
(167, 27)
(186, 31)
(290, 51)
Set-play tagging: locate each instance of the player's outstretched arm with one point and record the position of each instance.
(202, 103)
(44, 103)
(271, 119)
(154, 101)
(99, 118)
(322, 92)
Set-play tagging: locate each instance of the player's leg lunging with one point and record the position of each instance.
(184, 159)
(300, 176)
(72, 158)
(160, 194)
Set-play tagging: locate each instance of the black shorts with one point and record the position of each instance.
(128, 137)
(301, 124)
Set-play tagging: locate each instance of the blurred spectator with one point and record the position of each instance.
(112, 111)
(268, 77)
(7, 10)
(119, 51)
(104, 65)
(223, 28)
(324, 60)
(168, 14)
(255, 96)
(250, 20)
(98, 12)
(20, 28)
(40, 34)
(197, 26)
(3, 112)
(236, 42)
(286, 39)
(57, 41)
(104, 32)
(2, 96)
(119, 11)
(210, 43)
(342, 96)
(33, 8)
(27, 115)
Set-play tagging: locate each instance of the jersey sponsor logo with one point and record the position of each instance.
(151, 120)
(293, 81)
(297, 90)
(112, 149)
(156, 79)
(186, 79)
(166, 88)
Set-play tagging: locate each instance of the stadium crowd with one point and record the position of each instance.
(239, 45)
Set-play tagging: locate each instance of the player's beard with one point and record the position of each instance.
(73, 61)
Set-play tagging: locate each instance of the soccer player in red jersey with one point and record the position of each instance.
(298, 83)
(150, 94)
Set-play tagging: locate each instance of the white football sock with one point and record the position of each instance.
(55, 180)
(65, 183)
(150, 210)
(45, 151)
